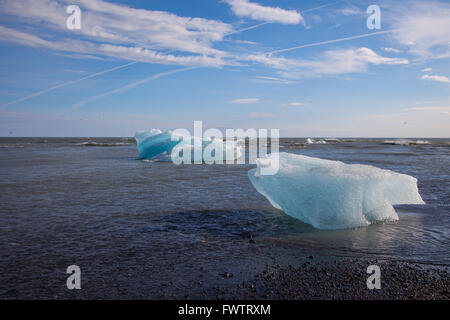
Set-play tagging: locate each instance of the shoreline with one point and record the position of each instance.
(345, 279)
(281, 274)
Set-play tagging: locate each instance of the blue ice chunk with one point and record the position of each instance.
(155, 144)
(334, 195)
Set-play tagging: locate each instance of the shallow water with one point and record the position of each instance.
(134, 224)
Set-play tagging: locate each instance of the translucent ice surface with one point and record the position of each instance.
(311, 141)
(155, 144)
(334, 195)
(158, 145)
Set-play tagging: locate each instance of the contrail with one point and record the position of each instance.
(248, 28)
(65, 84)
(331, 41)
(132, 85)
(322, 6)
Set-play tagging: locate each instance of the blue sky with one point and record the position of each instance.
(309, 68)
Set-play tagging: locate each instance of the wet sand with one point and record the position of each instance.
(278, 271)
(305, 273)
(346, 279)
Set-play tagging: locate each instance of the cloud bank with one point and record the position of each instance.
(245, 101)
(436, 78)
(247, 9)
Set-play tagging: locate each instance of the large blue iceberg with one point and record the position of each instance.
(158, 145)
(334, 195)
(155, 144)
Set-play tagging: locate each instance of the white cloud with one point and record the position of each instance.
(245, 8)
(391, 50)
(273, 62)
(423, 102)
(427, 70)
(122, 32)
(294, 104)
(440, 108)
(245, 101)
(116, 51)
(81, 56)
(423, 27)
(435, 78)
(19, 37)
(331, 62)
(118, 31)
(245, 42)
(350, 11)
(445, 110)
(349, 61)
(261, 115)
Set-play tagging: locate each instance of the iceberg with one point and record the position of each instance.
(157, 145)
(311, 141)
(334, 195)
(406, 142)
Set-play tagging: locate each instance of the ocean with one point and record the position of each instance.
(154, 229)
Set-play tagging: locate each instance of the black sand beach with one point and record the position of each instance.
(345, 279)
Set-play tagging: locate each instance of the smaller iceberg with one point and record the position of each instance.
(157, 145)
(406, 142)
(334, 195)
(311, 141)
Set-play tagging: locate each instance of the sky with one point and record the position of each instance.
(309, 68)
